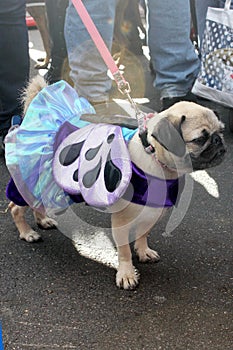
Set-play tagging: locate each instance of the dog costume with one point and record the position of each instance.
(56, 159)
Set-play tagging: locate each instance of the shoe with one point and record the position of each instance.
(109, 108)
(111, 113)
(169, 101)
(52, 76)
(121, 109)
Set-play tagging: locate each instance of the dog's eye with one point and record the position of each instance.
(200, 140)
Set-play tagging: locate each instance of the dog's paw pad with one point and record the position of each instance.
(127, 279)
(46, 223)
(31, 236)
(147, 255)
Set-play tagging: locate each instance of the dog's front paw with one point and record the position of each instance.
(127, 277)
(147, 255)
(46, 222)
(30, 236)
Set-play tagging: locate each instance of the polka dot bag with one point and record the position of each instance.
(215, 79)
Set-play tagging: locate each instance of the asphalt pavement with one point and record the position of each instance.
(60, 293)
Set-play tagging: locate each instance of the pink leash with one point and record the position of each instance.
(122, 84)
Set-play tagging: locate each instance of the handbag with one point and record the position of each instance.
(215, 79)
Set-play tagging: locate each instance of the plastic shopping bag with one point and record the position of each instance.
(215, 79)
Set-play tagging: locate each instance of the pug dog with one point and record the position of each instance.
(184, 138)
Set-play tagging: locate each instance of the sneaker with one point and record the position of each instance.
(121, 109)
(52, 76)
(111, 113)
(169, 101)
(110, 108)
(118, 113)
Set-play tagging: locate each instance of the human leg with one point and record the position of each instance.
(174, 59)
(88, 70)
(56, 10)
(14, 61)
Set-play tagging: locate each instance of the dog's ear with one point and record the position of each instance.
(169, 135)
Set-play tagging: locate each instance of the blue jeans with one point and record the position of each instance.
(172, 54)
(88, 70)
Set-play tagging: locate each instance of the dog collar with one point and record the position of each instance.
(147, 146)
(151, 150)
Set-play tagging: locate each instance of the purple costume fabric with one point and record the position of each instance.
(153, 191)
(140, 181)
(13, 194)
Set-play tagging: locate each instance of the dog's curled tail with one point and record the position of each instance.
(32, 89)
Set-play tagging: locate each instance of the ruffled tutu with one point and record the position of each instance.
(29, 148)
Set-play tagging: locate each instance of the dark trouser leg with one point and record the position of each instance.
(56, 10)
(14, 69)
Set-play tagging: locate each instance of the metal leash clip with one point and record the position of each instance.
(124, 88)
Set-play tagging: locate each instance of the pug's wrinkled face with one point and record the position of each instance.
(190, 133)
(208, 149)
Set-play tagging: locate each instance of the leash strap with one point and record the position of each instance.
(122, 84)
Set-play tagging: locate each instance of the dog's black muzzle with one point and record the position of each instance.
(212, 156)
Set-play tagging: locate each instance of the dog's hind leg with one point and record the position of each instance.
(25, 231)
(44, 221)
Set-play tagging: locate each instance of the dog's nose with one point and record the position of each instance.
(222, 151)
(216, 139)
